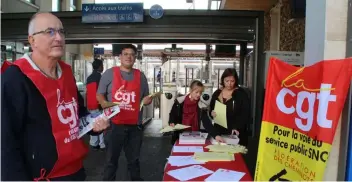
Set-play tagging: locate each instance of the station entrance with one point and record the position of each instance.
(212, 29)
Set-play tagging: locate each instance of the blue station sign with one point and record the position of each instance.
(112, 13)
(98, 51)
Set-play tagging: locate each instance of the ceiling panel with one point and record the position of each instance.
(261, 5)
(175, 24)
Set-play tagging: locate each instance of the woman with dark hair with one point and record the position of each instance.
(237, 107)
(188, 109)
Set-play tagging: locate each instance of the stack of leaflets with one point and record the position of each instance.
(193, 137)
(86, 123)
(229, 139)
(233, 149)
(170, 128)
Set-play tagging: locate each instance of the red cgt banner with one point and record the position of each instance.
(301, 113)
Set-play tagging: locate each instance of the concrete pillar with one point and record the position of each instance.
(275, 16)
(326, 30)
(66, 5)
(243, 52)
(44, 5)
(325, 33)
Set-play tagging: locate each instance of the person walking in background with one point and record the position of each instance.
(96, 142)
(5, 65)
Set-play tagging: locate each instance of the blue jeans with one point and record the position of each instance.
(128, 137)
(97, 141)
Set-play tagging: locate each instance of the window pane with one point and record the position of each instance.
(55, 5)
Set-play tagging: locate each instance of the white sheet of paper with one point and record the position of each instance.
(182, 161)
(190, 172)
(225, 175)
(186, 149)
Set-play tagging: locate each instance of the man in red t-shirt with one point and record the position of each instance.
(129, 87)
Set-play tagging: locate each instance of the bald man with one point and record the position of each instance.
(40, 112)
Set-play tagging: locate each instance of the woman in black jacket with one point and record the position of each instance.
(237, 107)
(187, 110)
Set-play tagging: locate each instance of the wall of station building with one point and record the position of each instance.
(73, 51)
(279, 33)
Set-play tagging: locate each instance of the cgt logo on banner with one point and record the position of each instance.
(301, 113)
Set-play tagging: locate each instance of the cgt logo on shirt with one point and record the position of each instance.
(125, 97)
(67, 111)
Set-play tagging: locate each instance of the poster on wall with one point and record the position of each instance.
(301, 112)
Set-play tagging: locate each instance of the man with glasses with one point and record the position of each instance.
(128, 87)
(40, 110)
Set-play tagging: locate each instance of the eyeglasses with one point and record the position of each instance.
(51, 32)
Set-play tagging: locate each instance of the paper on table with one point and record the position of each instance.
(181, 127)
(182, 160)
(170, 128)
(229, 139)
(213, 156)
(187, 149)
(220, 110)
(234, 149)
(190, 172)
(225, 175)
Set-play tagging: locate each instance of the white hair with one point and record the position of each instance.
(31, 26)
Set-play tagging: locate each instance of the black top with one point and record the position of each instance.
(94, 77)
(27, 141)
(237, 112)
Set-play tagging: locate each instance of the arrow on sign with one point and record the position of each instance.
(279, 175)
(87, 9)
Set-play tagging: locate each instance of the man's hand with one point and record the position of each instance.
(219, 139)
(235, 132)
(107, 104)
(147, 100)
(213, 113)
(100, 124)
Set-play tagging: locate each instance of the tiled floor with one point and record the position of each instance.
(154, 152)
(153, 128)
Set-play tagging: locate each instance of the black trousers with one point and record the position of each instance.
(128, 137)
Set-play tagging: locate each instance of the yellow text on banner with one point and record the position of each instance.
(287, 154)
